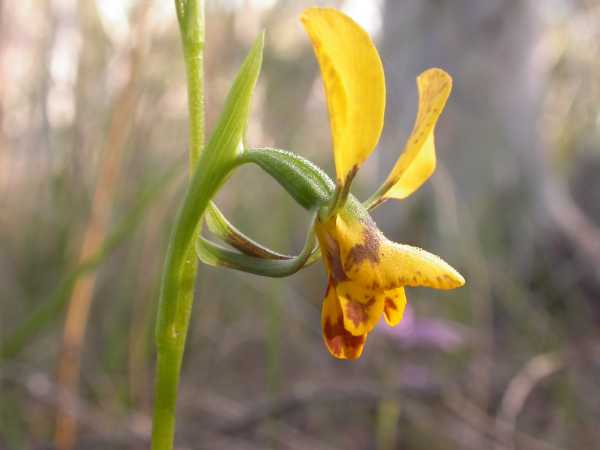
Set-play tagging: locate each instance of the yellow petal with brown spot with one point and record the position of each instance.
(338, 340)
(404, 265)
(356, 241)
(361, 307)
(354, 86)
(417, 162)
(394, 303)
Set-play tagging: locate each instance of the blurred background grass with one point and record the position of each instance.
(93, 125)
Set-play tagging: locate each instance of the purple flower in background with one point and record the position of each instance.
(425, 332)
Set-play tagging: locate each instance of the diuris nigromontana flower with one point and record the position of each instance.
(367, 272)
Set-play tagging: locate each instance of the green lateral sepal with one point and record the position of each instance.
(219, 225)
(216, 255)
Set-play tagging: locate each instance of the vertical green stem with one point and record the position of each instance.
(193, 47)
(171, 338)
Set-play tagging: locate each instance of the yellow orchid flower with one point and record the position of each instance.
(367, 272)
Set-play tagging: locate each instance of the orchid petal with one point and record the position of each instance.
(417, 163)
(354, 86)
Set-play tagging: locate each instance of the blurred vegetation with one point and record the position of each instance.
(511, 361)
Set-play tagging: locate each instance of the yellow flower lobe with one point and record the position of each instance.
(354, 86)
(339, 341)
(418, 160)
(394, 303)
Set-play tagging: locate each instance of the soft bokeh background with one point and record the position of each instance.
(92, 117)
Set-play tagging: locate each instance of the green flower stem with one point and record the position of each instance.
(182, 263)
(192, 31)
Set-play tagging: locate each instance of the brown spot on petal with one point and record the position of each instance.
(389, 305)
(450, 282)
(340, 342)
(357, 312)
(251, 249)
(350, 176)
(334, 260)
(368, 250)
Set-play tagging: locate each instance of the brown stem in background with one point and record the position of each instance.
(112, 151)
(520, 387)
(481, 421)
(573, 222)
